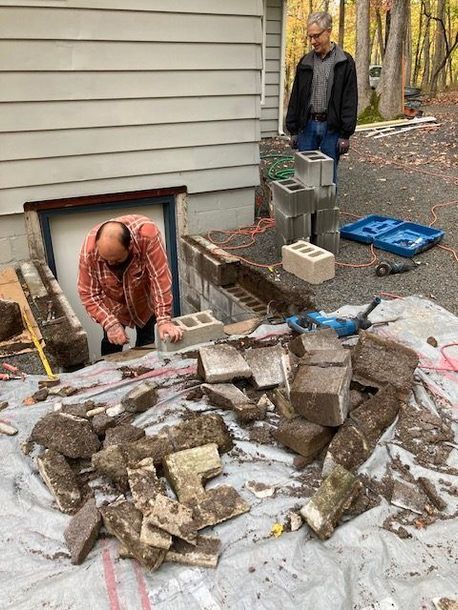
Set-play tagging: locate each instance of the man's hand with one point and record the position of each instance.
(343, 145)
(170, 331)
(293, 142)
(117, 335)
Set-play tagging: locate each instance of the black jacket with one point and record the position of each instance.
(342, 95)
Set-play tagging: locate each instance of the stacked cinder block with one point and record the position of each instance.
(305, 206)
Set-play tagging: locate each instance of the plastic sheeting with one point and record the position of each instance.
(361, 566)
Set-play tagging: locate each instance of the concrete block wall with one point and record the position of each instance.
(13, 239)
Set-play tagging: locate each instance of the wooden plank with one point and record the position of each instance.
(33, 172)
(11, 289)
(219, 7)
(40, 116)
(199, 181)
(63, 143)
(44, 86)
(19, 55)
(75, 24)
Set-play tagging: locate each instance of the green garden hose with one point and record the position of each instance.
(277, 169)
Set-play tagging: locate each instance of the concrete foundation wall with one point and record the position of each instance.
(13, 240)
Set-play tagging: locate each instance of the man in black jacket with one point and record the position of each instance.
(323, 105)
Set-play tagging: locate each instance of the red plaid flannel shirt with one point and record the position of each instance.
(145, 288)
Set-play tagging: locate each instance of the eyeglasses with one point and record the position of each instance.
(315, 36)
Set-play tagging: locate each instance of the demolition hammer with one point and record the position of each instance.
(313, 320)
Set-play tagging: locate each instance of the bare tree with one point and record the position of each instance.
(341, 22)
(380, 32)
(426, 6)
(418, 49)
(362, 55)
(390, 86)
(407, 51)
(441, 54)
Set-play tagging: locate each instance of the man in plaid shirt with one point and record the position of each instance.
(124, 280)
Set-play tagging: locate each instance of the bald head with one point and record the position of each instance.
(113, 240)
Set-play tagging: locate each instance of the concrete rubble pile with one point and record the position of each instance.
(325, 402)
(85, 455)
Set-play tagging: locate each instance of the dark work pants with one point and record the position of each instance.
(145, 336)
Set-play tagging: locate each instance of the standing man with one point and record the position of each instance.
(124, 280)
(322, 109)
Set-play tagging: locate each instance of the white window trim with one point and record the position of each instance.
(263, 53)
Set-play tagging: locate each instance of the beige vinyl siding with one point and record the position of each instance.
(270, 107)
(104, 96)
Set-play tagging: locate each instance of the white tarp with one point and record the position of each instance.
(361, 567)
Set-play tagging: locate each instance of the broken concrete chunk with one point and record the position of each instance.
(445, 603)
(144, 483)
(260, 490)
(11, 317)
(82, 531)
(40, 395)
(155, 447)
(249, 412)
(324, 509)
(201, 430)
(124, 521)
(204, 554)
(140, 398)
(60, 480)
(173, 517)
(188, 470)
(112, 463)
(303, 437)
(220, 504)
(221, 363)
(357, 438)
(408, 497)
(266, 366)
(295, 521)
(430, 490)
(224, 395)
(101, 423)
(7, 429)
(115, 410)
(327, 357)
(154, 536)
(378, 361)
(324, 339)
(125, 433)
(282, 404)
(71, 436)
(322, 395)
(265, 403)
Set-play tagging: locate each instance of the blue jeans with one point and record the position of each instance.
(315, 136)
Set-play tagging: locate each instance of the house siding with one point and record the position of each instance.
(99, 98)
(271, 107)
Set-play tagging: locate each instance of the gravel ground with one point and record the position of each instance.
(370, 183)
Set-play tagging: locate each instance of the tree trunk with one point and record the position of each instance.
(439, 46)
(380, 33)
(388, 23)
(362, 56)
(426, 6)
(341, 22)
(408, 47)
(416, 68)
(390, 86)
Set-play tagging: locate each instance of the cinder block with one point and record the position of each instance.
(323, 339)
(210, 261)
(325, 197)
(197, 328)
(309, 262)
(325, 221)
(266, 365)
(292, 197)
(293, 227)
(221, 363)
(313, 168)
(328, 241)
(322, 394)
(303, 437)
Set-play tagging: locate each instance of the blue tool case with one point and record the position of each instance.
(393, 235)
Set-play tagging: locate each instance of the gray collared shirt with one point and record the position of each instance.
(321, 70)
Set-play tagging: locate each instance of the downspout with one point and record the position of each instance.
(281, 101)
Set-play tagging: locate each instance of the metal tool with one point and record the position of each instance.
(312, 320)
(390, 268)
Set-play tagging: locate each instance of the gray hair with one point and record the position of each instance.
(324, 20)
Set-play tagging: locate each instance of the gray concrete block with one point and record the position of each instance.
(325, 197)
(61, 481)
(309, 262)
(293, 227)
(205, 554)
(328, 241)
(303, 437)
(322, 394)
(140, 398)
(313, 168)
(292, 197)
(325, 221)
(221, 363)
(82, 531)
(323, 339)
(197, 328)
(266, 366)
